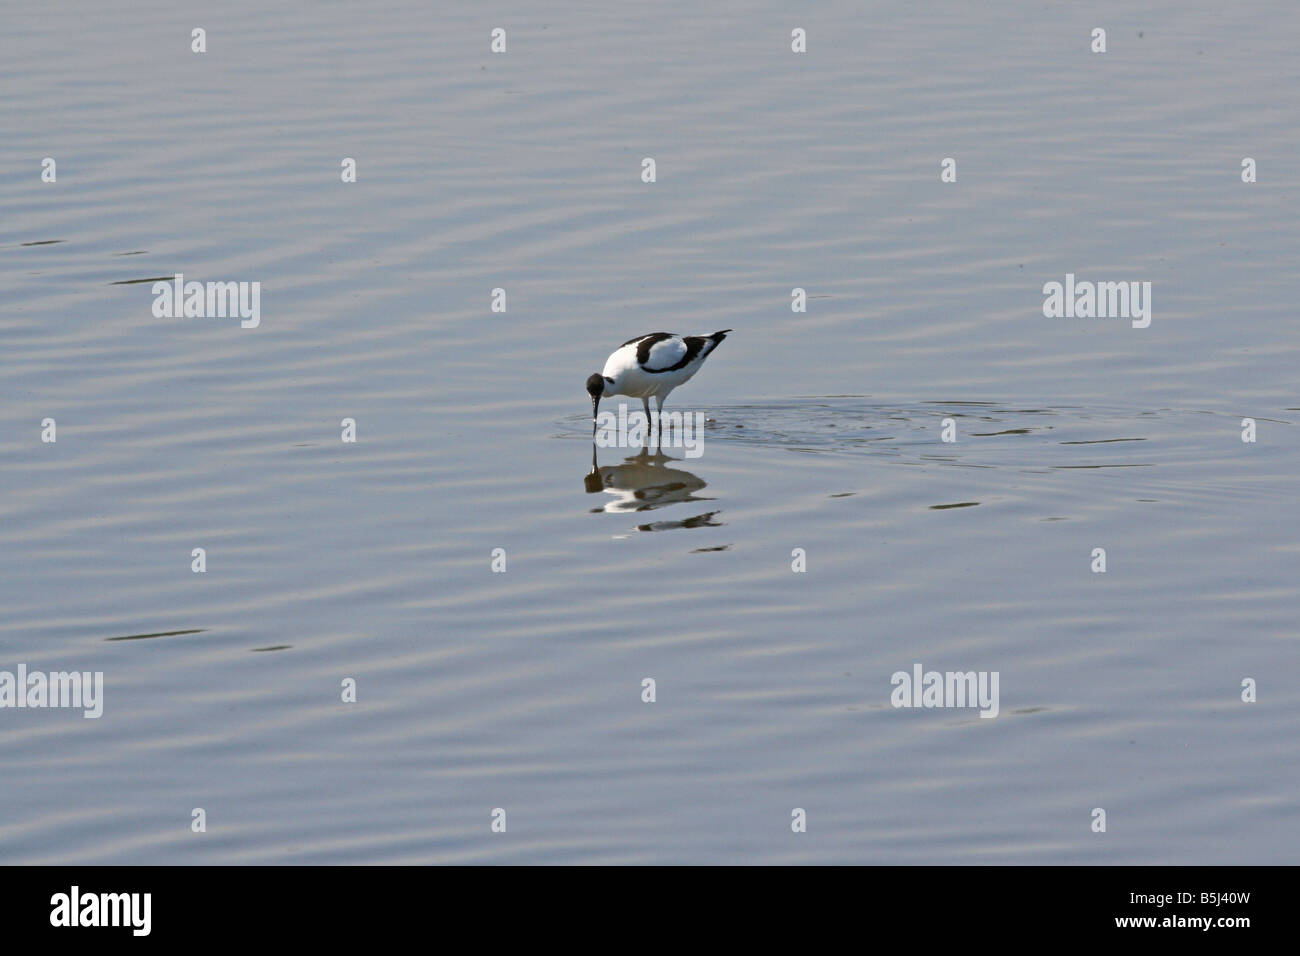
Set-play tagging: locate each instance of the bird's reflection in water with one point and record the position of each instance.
(647, 481)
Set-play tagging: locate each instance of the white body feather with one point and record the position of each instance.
(638, 380)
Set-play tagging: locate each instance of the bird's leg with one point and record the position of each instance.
(645, 403)
(660, 403)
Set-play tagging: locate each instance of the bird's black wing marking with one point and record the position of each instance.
(646, 343)
(694, 344)
(657, 336)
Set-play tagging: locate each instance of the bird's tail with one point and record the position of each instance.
(719, 336)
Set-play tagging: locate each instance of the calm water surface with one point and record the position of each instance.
(522, 689)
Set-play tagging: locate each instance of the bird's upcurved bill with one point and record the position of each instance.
(595, 404)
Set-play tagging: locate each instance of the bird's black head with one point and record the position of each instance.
(595, 388)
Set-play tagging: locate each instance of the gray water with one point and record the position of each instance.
(522, 690)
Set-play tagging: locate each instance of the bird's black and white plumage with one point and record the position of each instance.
(651, 366)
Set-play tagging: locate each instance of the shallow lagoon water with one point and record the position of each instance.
(522, 689)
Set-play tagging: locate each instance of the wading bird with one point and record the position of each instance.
(651, 366)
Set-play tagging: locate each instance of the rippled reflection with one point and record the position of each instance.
(647, 481)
